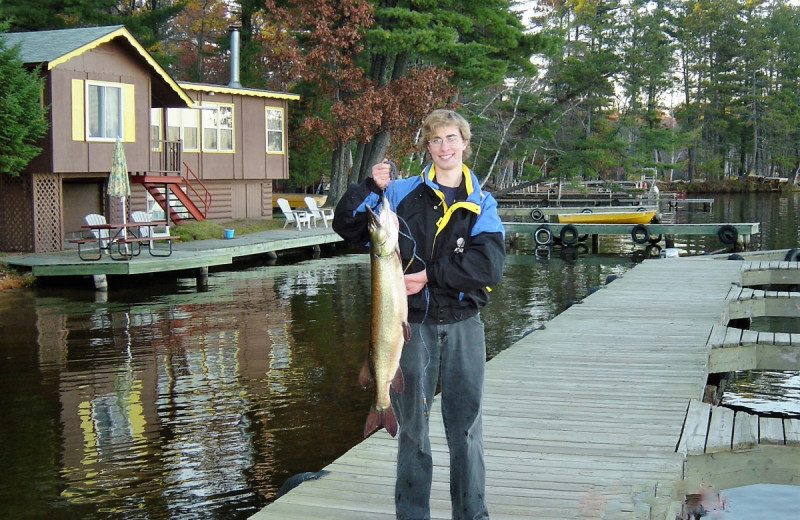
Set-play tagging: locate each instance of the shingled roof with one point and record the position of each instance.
(55, 47)
(47, 46)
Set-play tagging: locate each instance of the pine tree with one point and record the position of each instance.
(22, 117)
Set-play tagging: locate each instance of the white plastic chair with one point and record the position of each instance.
(148, 231)
(294, 216)
(323, 214)
(93, 219)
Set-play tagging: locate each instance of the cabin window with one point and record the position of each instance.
(183, 125)
(274, 118)
(104, 111)
(217, 128)
(155, 129)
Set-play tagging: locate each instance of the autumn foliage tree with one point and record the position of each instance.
(320, 42)
(198, 37)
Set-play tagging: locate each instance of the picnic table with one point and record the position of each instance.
(122, 241)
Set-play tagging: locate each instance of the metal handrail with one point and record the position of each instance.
(204, 199)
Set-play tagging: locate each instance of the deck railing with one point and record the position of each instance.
(205, 197)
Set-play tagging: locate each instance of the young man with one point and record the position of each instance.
(452, 248)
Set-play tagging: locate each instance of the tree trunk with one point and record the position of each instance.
(374, 153)
(338, 175)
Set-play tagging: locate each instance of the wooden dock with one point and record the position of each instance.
(585, 418)
(195, 255)
(546, 234)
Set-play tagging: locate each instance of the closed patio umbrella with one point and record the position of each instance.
(118, 180)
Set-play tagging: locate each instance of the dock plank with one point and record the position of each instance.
(720, 431)
(745, 430)
(791, 428)
(770, 430)
(695, 428)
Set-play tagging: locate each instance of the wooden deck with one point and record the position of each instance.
(200, 254)
(585, 418)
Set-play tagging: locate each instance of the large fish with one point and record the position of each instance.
(390, 328)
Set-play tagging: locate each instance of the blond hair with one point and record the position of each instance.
(443, 117)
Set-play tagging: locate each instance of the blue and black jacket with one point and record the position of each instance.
(461, 246)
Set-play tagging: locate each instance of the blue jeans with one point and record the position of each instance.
(456, 353)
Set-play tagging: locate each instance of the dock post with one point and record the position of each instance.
(100, 282)
(595, 244)
(202, 278)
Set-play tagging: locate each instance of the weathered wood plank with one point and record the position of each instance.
(717, 336)
(749, 337)
(695, 428)
(770, 430)
(732, 337)
(745, 431)
(791, 429)
(720, 431)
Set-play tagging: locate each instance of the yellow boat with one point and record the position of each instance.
(616, 217)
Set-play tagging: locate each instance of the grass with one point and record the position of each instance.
(208, 229)
(10, 278)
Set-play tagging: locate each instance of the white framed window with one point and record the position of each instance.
(156, 135)
(275, 132)
(104, 111)
(184, 124)
(217, 127)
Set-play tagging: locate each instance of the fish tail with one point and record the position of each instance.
(376, 419)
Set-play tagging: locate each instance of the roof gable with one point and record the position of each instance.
(56, 47)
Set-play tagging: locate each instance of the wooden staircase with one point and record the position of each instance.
(166, 181)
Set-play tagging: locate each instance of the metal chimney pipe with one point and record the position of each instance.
(234, 29)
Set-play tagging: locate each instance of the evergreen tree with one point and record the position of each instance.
(22, 116)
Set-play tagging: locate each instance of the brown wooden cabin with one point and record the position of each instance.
(215, 149)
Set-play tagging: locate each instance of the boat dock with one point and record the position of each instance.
(546, 234)
(195, 256)
(600, 414)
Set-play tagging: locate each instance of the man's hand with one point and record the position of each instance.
(415, 282)
(382, 173)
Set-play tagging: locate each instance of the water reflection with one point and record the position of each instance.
(163, 402)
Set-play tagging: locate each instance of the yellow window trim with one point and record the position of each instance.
(78, 111)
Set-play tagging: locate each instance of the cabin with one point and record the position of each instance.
(193, 151)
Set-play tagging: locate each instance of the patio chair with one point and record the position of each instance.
(297, 217)
(93, 219)
(323, 214)
(149, 231)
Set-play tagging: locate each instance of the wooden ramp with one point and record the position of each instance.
(582, 419)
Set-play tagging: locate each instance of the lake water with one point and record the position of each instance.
(161, 402)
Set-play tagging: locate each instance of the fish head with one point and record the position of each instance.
(384, 229)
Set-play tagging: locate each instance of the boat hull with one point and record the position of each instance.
(625, 217)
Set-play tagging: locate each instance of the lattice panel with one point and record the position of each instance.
(16, 213)
(47, 212)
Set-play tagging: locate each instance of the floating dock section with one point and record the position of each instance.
(600, 414)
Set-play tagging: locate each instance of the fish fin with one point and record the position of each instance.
(406, 331)
(365, 376)
(398, 382)
(376, 419)
(390, 421)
